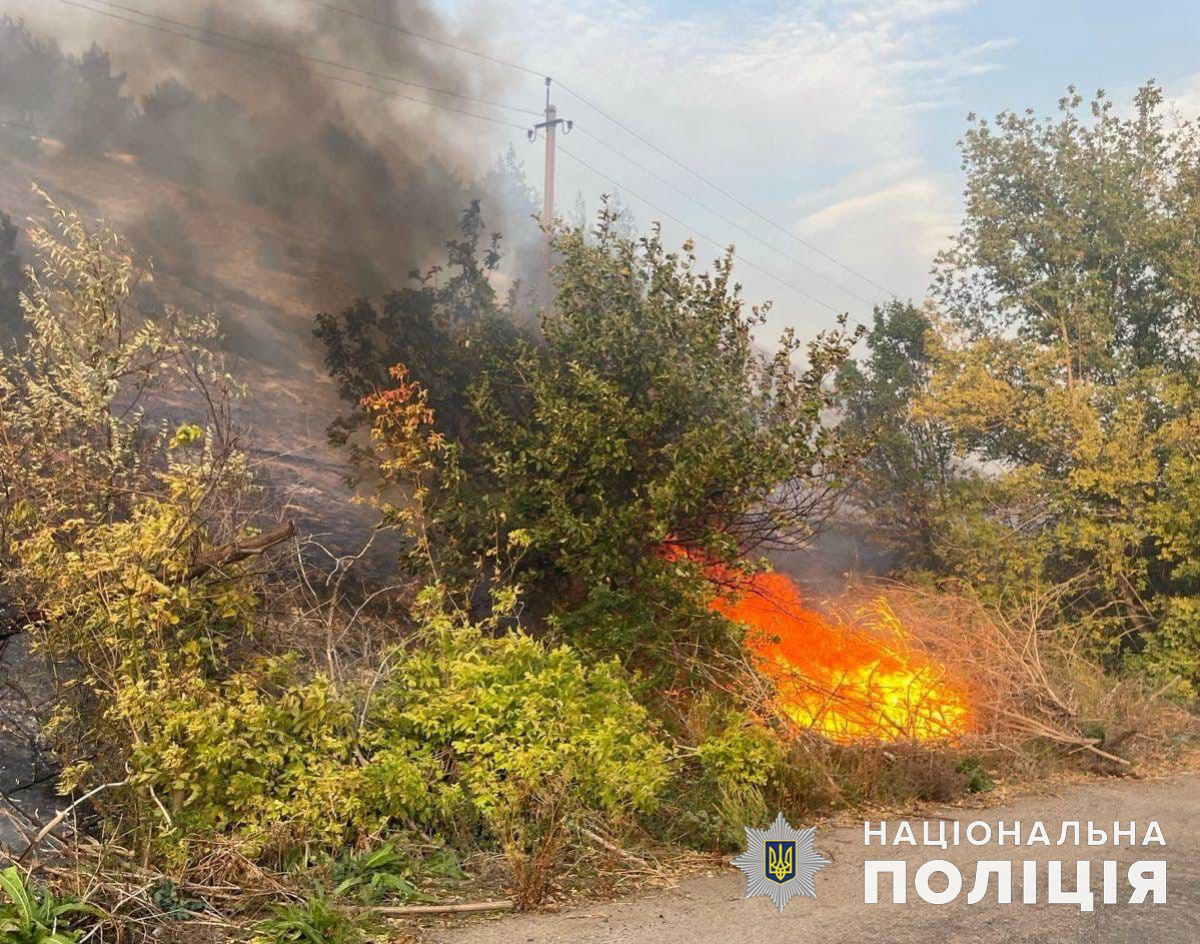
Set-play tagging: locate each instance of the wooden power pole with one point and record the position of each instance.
(550, 126)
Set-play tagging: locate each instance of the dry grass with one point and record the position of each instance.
(1040, 701)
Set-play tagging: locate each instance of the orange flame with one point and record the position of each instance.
(847, 682)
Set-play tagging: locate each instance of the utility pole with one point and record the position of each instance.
(550, 126)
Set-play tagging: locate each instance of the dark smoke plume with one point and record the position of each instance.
(263, 191)
(377, 182)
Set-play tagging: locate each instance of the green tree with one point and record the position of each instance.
(1070, 363)
(642, 418)
(96, 114)
(442, 327)
(509, 201)
(907, 476)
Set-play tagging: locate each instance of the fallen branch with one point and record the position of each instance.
(613, 848)
(1041, 730)
(63, 814)
(504, 904)
(241, 550)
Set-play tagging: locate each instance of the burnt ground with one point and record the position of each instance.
(710, 909)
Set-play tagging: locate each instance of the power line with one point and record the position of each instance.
(323, 4)
(708, 239)
(721, 190)
(503, 123)
(295, 68)
(334, 8)
(289, 53)
(724, 219)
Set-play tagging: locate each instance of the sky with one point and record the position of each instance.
(823, 131)
(835, 119)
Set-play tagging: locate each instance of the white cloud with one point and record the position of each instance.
(1186, 101)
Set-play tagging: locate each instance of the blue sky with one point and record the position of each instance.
(1099, 44)
(836, 118)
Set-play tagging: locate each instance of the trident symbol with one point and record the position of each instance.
(779, 863)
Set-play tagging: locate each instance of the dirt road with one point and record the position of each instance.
(711, 910)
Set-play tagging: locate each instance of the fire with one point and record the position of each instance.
(847, 682)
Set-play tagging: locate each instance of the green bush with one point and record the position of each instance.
(521, 720)
(739, 763)
(563, 461)
(271, 761)
(743, 756)
(504, 737)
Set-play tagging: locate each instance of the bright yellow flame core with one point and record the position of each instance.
(848, 682)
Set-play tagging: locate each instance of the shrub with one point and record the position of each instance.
(642, 416)
(104, 515)
(526, 722)
(738, 763)
(77, 443)
(107, 522)
(112, 601)
(266, 760)
(504, 738)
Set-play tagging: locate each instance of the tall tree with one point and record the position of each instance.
(907, 474)
(1072, 356)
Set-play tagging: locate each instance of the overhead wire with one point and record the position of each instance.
(316, 60)
(289, 54)
(782, 281)
(721, 190)
(347, 11)
(724, 219)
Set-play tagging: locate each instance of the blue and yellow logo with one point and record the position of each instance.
(781, 860)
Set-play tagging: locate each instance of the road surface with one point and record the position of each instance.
(710, 910)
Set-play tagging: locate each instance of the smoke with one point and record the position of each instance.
(377, 182)
(263, 191)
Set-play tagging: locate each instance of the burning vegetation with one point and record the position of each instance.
(864, 679)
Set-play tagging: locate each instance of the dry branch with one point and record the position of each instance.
(504, 904)
(241, 550)
(1041, 730)
(613, 848)
(63, 814)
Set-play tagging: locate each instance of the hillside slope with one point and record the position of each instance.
(261, 276)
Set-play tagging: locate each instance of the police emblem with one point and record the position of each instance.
(780, 863)
(781, 860)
